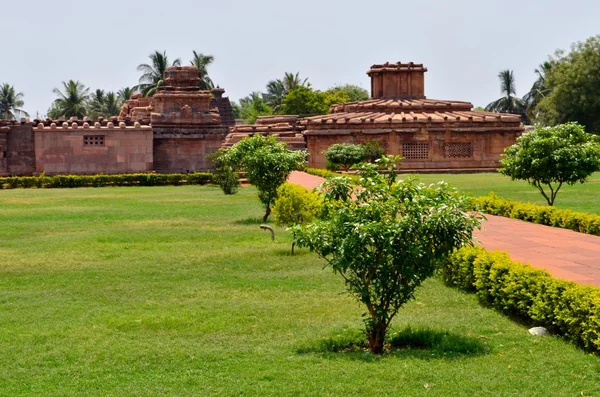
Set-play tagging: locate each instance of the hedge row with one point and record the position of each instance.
(563, 307)
(71, 181)
(544, 215)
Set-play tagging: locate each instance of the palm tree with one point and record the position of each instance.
(202, 61)
(153, 73)
(509, 103)
(293, 81)
(125, 94)
(11, 102)
(279, 88)
(72, 101)
(538, 90)
(112, 104)
(96, 103)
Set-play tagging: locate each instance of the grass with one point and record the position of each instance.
(579, 197)
(176, 291)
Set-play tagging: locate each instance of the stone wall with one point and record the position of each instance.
(183, 154)
(422, 148)
(17, 151)
(73, 149)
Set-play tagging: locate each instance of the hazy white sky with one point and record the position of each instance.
(463, 43)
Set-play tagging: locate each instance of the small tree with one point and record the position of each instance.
(267, 164)
(549, 157)
(387, 241)
(227, 176)
(372, 150)
(344, 155)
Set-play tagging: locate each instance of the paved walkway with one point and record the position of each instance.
(565, 254)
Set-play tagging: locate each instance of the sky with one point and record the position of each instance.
(463, 43)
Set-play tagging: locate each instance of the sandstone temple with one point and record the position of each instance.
(175, 130)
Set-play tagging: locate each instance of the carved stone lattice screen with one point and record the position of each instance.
(415, 151)
(458, 150)
(93, 140)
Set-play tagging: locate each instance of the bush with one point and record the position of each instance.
(372, 151)
(385, 238)
(543, 215)
(564, 307)
(226, 174)
(295, 205)
(344, 155)
(73, 181)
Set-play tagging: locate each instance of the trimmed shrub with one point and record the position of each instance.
(544, 215)
(564, 307)
(73, 181)
(295, 205)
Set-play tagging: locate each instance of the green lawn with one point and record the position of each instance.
(176, 291)
(580, 197)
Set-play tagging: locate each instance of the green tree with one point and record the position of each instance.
(279, 88)
(353, 92)
(372, 151)
(344, 155)
(71, 102)
(539, 90)
(226, 171)
(267, 164)
(509, 103)
(11, 102)
(125, 94)
(153, 73)
(96, 103)
(253, 106)
(573, 83)
(386, 241)
(304, 101)
(549, 157)
(202, 62)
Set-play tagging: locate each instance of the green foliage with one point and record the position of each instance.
(202, 62)
(549, 216)
(279, 88)
(304, 101)
(11, 102)
(295, 205)
(267, 164)
(372, 151)
(388, 240)
(354, 93)
(225, 172)
(345, 155)
(509, 103)
(572, 87)
(153, 72)
(549, 157)
(252, 107)
(564, 307)
(72, 181)
(72, 101)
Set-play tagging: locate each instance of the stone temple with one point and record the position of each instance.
(175, 130)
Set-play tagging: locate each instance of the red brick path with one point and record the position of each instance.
(565, 254)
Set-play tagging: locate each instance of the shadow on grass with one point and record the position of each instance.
(249, 221)
(422, 343)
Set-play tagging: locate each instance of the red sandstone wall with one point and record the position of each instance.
(17, 152)
(487, 147)
(183, 154)
(62, 150)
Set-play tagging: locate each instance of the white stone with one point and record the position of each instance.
(539, 331)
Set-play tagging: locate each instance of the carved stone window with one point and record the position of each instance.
(458, 150)
(93, 140)
(415, 151)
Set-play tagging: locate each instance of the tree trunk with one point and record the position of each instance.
(267, 214)
(376, 335)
